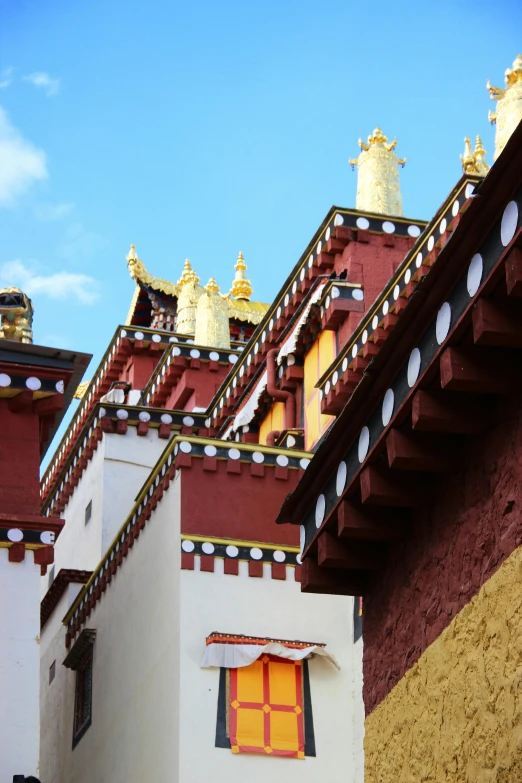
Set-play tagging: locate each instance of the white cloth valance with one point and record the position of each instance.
(234, 656)
(290, 343)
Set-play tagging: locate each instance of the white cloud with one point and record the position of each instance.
(48, 213)
(60, 285)
(22, 163)
(45, 82)
(79, 243)
(6, 77)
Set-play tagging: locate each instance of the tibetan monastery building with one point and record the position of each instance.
(374, 408)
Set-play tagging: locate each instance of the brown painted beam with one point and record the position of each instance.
(421, 452)
(51, 404)
(382, 487)
(514, 272)
(361, 523)
(497, 322)
(478, 370)
(21, 402)
(441, 411)
(330, 581)
(333, 552)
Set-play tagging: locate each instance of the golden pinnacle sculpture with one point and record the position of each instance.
(509, 106)
(474, 162)
(188, 296)
(241, 287)
(212, 328)
(378, 187)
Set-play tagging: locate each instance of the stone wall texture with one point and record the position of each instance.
(457, 713)
(452, 550)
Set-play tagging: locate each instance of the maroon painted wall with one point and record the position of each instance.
(19, 461)
(451, 551)
(236, 505)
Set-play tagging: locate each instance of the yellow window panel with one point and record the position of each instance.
(317, 360)
(283, 731)
(250, 728)
(250, 683)
(282, 683)
(274, 420)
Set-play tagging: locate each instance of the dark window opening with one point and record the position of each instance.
(83, 698)
(51, 577)
(88, 511)
(52, 672)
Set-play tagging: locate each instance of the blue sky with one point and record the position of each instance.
(196, 130)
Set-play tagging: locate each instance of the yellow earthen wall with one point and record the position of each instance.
(317, 360)
(274, 420)
(457, 713)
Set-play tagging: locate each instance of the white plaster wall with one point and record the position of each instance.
(56, 721)
(267, 607)
(134, 731)
(128, 462)
(19, 666)
(112, 479)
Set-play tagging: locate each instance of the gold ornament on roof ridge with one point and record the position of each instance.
(474, 162)
(378, 187)
(139, 273)
(212, 327)
(509, 106)
(188, 275)
(241, 287)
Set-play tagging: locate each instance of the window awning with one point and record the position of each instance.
(231, 651)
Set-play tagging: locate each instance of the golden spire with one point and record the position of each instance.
(188, 275)
(241, 287)
(378, 188)
(509, 107)
(212, 328)
(474, 162)
(189, 294)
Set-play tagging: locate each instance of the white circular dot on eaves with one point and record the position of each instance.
(414, 364)
(15, 535)
(414, 231)
(443, 322)
(279, 556)
(357, 294)
(388, 227)
(187, 546)
(362, 223)
(364, 444)
(340, 479)
(33, 383)
(144, 416)
(282, 460)
(207, 548)
(303, 463)
(475, 270)
(210, 451)
(185, 447)
(256, 553)
(509, 222)
(232, 550)
(431, 243)
(234, 454)
(320, 508)
(5, 380)
(387, 407)
(258, 457)
(302, 539)
(166, 418)
(188, 421)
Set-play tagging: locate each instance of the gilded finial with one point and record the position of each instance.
(509, 106)
(241, 287)
(378, 187)
(132, 255)
(188, 275)
(474, 161)
(212, 326)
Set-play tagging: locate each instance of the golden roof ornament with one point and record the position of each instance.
(509, 106)
(378, 188)
(241, 287)
(212, 328)
(188, 296)
(474, 161)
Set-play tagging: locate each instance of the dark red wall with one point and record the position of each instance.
(19, 461)
(236, 505)
(449, 554)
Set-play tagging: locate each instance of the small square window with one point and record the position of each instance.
(52, 672)
(88, 511)
(83, 698)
